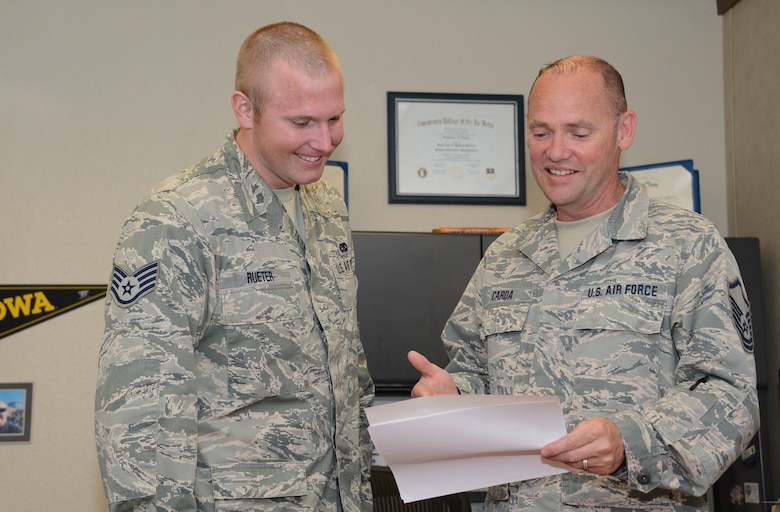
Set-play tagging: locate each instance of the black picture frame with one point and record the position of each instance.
(18, 400)
(336, 173)
(433, 137)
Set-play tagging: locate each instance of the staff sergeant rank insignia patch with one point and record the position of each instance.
(128, 288)
(740, 314)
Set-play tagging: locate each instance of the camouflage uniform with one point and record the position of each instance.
(645, 306)
(231, 374)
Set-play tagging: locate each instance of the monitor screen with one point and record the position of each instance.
(408, 285)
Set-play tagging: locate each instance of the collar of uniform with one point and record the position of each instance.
(536, 239)
(629, 219)
(627, 222)
(255, 194)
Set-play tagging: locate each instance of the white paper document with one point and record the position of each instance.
(441, 445)
(673, 184)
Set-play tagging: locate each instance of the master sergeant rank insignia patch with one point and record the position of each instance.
(740, 314)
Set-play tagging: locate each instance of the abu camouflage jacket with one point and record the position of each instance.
(231, 375)
(647, 305)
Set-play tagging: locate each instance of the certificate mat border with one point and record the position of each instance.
(662, 167)
(394, 98)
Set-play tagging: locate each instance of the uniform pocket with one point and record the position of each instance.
(618, 346)
(505, 318)
(259, 297)
(632, 306)
(263, 329)
(510, 354)
(506, 309)
(270, 485)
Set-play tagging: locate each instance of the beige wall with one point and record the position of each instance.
(101, 99)
(752, 75)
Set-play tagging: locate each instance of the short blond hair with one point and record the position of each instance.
(295, 44)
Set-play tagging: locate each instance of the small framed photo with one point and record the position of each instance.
(15, 412)
(455, 148)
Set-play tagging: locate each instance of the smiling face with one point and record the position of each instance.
(300, 126)
(574, 141)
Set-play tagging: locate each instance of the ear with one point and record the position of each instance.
(626, 129)
(243, 110)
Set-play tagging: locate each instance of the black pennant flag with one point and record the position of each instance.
(22, 306)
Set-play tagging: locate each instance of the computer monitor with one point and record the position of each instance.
(408, 285)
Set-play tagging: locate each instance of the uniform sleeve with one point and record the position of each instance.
(145, 404)
(685, 440)
(462, 340)
(366, 392)
(366, 445)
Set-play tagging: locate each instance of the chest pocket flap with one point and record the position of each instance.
(505, 309)
(260, 296)
(628, 306)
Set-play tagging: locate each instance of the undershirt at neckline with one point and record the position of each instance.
(571, 233)
(289, 197)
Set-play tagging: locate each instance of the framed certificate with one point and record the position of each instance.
(673, 182)
(455, 148)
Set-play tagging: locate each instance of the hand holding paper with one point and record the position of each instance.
(439, 445)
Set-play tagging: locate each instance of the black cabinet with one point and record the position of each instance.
(747, 484)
